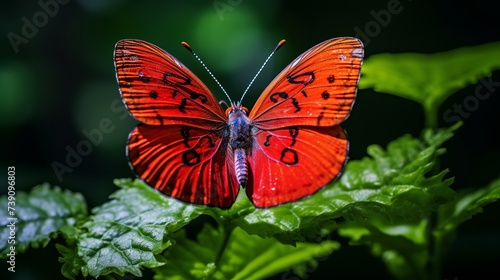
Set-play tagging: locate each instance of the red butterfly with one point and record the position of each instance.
(289, 146)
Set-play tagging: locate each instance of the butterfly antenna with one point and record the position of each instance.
(280, 44)
(186, 45)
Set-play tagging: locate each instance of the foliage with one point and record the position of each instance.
(397, 201)
(41, 215)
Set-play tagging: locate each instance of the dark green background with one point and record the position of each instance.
(62, 81)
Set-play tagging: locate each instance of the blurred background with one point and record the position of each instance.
(57, 85)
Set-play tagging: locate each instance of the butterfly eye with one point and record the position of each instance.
(229, 110)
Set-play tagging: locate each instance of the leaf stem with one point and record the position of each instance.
(437, 256)
(433, 269)
(226, 234)
(430, 112)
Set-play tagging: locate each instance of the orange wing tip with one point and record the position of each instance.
(187, 46)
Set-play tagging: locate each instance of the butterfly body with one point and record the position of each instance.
(240, 140)
(290, 145)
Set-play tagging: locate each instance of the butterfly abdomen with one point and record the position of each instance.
(240, 166)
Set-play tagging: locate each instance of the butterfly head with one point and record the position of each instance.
(236, 107)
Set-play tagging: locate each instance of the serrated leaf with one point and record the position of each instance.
(429, 78)
(244, 257)
(41, 214)
(127, 232)
(391, 184)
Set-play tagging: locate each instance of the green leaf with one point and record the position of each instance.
(429, 78)
(392, 185)
(426, 78)
(244, 256)
(41, 215)
(127, 232)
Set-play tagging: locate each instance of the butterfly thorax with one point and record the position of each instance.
(239, 139)
(239, 127)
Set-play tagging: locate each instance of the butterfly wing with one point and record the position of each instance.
(318, 88)
(298, 144)
(179, 148)
(159, 90)
(188, 163)
(290, 163)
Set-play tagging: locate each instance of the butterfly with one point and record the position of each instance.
(290, 145)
